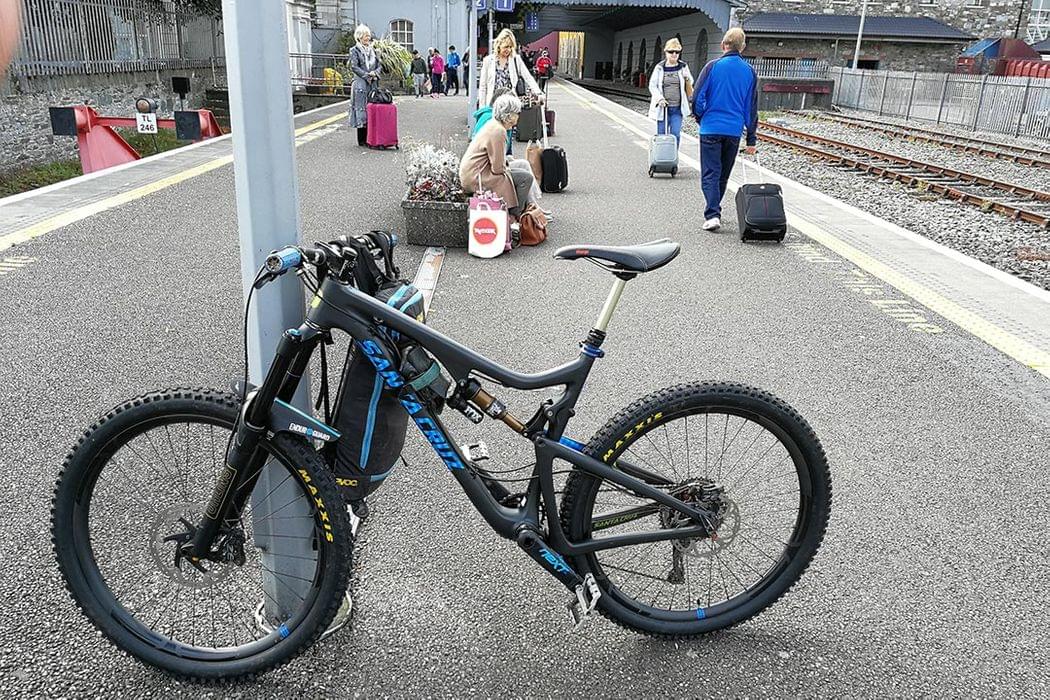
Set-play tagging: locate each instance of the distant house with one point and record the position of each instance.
(889, 43)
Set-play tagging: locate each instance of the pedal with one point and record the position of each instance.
(475, 451)
(587, 595)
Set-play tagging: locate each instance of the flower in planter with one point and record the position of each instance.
(433, 175)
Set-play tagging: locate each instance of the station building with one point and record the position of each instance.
(889, 43)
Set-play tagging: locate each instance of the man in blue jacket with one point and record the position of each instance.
(725, 103)
(452, 70)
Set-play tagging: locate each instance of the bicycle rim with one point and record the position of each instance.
(138, 492)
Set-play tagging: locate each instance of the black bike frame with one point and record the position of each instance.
(341, 306)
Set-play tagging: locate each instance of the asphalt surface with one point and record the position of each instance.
(931, 580)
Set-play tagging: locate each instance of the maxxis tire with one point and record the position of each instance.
(575, 512)
(70, 550)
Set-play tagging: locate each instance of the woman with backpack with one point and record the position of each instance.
(670, 91)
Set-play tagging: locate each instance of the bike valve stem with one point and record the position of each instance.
(496, 409)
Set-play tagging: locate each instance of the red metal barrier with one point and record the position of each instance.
(101, 147)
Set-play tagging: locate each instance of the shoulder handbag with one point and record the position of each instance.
(379, 96)
(533, 225)
(520, 89)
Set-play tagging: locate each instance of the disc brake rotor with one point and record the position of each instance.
(166, 533)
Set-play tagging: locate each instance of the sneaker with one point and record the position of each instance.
(712, 224)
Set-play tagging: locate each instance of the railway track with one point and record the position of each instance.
(1010, 199)
(982, 147)
(988, 194)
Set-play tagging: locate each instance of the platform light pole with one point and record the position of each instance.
(470, 65)
(860, 33)
(267, 218)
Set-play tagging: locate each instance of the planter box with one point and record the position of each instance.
(436, 223)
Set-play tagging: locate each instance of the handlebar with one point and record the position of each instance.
(294, 257)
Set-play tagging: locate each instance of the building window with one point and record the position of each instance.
(976, 3)
(402, 31)
(927, 3)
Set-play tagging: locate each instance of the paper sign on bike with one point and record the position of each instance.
(146, 123)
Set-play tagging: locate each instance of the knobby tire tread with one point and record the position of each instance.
(613, 428)
(290, 446)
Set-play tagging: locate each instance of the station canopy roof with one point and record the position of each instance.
(783, 24)
(607, 14)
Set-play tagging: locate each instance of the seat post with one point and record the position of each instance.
(611, 301)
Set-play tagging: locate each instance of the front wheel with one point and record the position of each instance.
(735, 450)
(133, 490)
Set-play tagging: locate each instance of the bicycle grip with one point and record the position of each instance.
(280, 261)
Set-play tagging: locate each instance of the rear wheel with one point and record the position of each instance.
(134, 488)
(739, 452)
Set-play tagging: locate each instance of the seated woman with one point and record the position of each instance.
(486, 159)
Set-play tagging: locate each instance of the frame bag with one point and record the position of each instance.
(368, 415)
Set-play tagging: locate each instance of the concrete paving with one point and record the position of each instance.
(931, 580)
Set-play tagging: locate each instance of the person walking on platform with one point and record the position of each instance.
(365, 65)
(670, 87)
(544, 69)
(437, 72)
(725, 103)
(419, 72)
(452, 70)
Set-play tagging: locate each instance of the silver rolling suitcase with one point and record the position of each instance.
(663, 152)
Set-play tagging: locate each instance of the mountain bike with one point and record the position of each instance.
(203, 533)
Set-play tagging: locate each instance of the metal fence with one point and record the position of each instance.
(308, 72)
(70, 37)
(789, 67)
(1014, 106)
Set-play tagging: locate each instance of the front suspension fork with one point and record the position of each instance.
(245, 459)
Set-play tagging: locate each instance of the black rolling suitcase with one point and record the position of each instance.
(760, 212)
(530, 124)
(555, 166)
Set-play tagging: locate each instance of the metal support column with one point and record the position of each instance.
(1024, 106)
(882, 97)
(980, 103)
(268, 218)
(471, 65)
(911, 93)
(860, 34)
(944, 93)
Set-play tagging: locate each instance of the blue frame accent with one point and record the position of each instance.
(370, 424)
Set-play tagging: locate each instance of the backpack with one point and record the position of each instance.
(367, 414)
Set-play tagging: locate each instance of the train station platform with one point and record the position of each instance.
(923, 372)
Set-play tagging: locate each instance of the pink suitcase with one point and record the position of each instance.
(382, 126)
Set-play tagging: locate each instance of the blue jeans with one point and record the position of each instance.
(717, 155)
(674, 123)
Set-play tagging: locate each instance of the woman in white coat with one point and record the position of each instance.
(671, 91)
(503, 67)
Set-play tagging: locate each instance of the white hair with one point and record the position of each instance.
(504, 106)
(361, 30)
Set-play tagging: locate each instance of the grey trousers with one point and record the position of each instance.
(524, 184)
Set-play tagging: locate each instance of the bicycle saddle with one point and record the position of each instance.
(644, 257)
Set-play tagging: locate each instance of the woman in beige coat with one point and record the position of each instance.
(486, 159)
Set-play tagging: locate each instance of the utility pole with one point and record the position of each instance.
(491, 23)
(470, 66)
(268, 218)
(860, 33)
